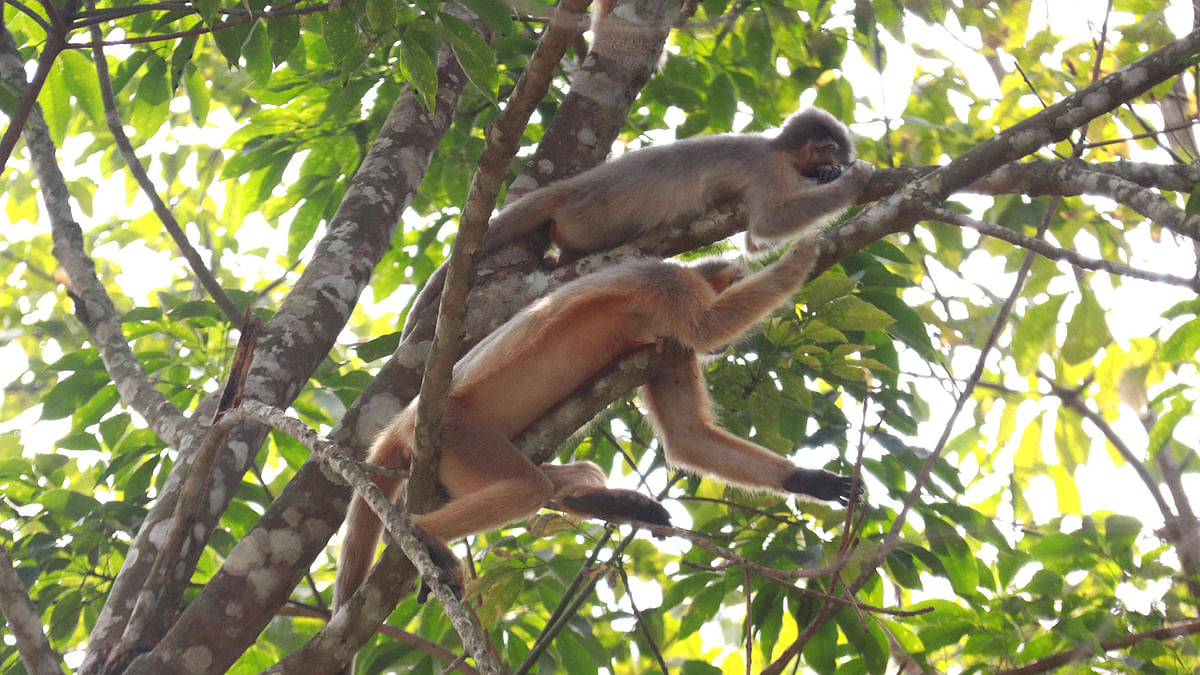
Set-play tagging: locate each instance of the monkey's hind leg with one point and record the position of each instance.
(579, 489)
(449, 567)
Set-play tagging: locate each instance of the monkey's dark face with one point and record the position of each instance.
(822, 160)
(826, 173)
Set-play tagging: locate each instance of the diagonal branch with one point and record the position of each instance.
(231, 312)
(292, 344)
(502, 140)
(1051, 252)
(1045, 665)
(1074, 401)
(413, 640)
(1050, 125)
(93, 306)
(396, 521)
(25, 623)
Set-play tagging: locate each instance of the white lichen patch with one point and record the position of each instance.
(240, 450)
(217, 496)
(263, 583)
(525, 183)
(251, 554)
(286, 546)
(158, 532)
(1095, 103)
(196, 659)
(292, 516)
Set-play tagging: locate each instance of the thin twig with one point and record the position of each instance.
(413, 640)
(1056, 661)
(55, 41)
(1051, 252)
(568, 598)
(232, 314)
(641, 622)
(1075, 402)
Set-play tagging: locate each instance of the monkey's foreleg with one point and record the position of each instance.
(823, 485)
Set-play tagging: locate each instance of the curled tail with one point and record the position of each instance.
(513, 222)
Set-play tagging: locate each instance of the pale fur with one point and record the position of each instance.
(543, 354)
(639, 191)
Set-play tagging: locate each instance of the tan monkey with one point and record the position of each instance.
(801, 178)
(543, 354)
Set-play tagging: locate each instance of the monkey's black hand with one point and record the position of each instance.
(618, 505)
(449, 567)
(826, 173)
(823, 485)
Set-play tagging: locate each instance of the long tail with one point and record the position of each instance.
(523, 216)
(515, 221)
(362, 525)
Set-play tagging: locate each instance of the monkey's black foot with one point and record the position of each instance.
(449, 568)
(618, 505)
(826, 173)
(823, 485)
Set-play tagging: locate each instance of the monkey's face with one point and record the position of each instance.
(720, 274)
(823, 160)
(826, 173)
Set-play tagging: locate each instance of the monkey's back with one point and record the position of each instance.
(557, 343)
(651, 186)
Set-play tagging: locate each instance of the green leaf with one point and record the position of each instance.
(150, 103)
(55, 100)
(722, 102)
(1087, 331)
(209, 11)
(1193, 202)
(421, 65)
(284, 33)
(80, 74)
(197, 93)
(257, 52)
(1183, 343)
(853, 313)
(826, 288)
(1034, 333)
(72, 392)
(473, 55)
(1181, 408)
(1121, 531)
(230, 39)
(495, 14)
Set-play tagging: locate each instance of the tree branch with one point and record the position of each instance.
(94, 307)
(1058, 660)
(292, 344)
(400, 635)
(1051, 252)
(25, 622)
(396, 523)
(502, 140)
(231, 312)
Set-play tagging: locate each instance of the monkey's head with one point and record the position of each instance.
(719, 273)
(818, 145)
